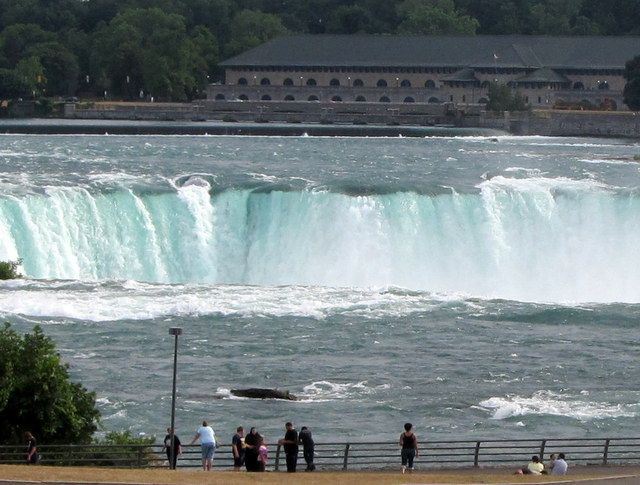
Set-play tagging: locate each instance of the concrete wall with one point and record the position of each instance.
(545, 122)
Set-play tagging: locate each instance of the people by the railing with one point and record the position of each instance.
(408, 448)
(263, 455)
(32, 449)
(207, 438)
(238, 447)
(290, 444)
(535, 467)
(560, 466)
(552, 461)
(173, 449)
(252, 444)
(308, 447)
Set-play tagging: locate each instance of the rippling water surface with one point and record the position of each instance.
(478, 287)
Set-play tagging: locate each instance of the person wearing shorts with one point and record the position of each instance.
(207, 439)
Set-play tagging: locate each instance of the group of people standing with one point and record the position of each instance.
(249, 451)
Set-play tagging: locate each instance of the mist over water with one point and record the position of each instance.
(479, 289)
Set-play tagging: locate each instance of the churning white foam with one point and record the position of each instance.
(547, 403)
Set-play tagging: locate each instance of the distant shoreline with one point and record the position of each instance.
(48, 126)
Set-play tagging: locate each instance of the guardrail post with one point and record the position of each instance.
(605, 455)
(346, 456)
(542, 446)
(476, 455)
(276, 467)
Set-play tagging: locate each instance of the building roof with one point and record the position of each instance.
(544, 75)
(483, 51)
(463, 75)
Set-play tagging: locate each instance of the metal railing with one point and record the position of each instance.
(351, 455)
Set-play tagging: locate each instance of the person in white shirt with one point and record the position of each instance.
(208, 443)
(560, 466)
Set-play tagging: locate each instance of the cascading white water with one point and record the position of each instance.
(528, 239)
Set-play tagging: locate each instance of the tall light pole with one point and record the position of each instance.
(172, 459)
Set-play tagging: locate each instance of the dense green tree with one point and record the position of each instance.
(12, 86)
(631, 93)
(555, 17)
(51, 15)
(434, 17)
(60, 67)
(348, 19)
(9, 269)
(250, 28)
(16, 41)
(36, 394)
(502, 98)
(146, 50)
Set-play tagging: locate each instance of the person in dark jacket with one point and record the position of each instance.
(308, 447)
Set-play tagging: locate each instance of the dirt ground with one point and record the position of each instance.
(16, 474)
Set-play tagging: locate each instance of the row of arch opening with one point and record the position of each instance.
(313, 97)
(382, 83)
(357, 83)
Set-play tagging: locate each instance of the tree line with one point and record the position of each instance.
(170, 49)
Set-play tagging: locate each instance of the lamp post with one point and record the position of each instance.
(172, 459)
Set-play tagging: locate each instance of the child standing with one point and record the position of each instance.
(262, 456)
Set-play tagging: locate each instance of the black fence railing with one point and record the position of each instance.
(351, 455)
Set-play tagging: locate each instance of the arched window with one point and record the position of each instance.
(483, 101)
(334, 82)
(385, 99)
(311, 82)
(265, 97)
(242, 81)
(265, 81)
(336, 98)
(243, 97)
(381, 83)
(405, 83)
(289, 97)
(603, 85)
(433, 99)
(220, 97)
(430, 84)
(313, 97)
(358, 83)
(409, 99)
(485, 85)
(287, 82)
(360, 98)
(578, 85)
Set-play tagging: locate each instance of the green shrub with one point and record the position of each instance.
(9, 270)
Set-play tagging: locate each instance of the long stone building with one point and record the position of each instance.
(548, 71)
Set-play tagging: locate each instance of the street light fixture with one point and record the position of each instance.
(172, 459)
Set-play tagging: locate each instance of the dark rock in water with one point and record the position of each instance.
(258, 393)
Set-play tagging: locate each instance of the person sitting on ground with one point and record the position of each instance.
(560, 466)
(534, 468)
(552, 462)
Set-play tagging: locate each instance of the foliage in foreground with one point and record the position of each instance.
(36, 394)
(9, 270)
(631, 91)
(501, 98)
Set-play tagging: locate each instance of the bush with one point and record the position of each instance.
(116, 453)
(9, 270)
(36, 394)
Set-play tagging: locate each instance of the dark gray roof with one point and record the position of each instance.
(544, 75)
(463, 75)
(517, 51)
